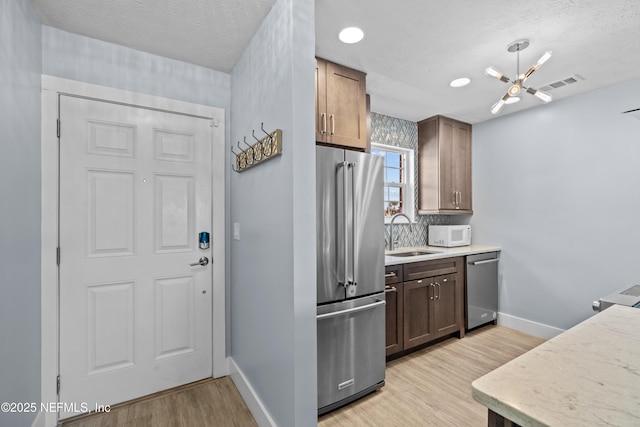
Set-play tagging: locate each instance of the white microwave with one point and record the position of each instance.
(449, 235)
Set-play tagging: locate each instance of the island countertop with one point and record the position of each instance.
(588, 375)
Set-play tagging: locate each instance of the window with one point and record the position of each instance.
(398, 180)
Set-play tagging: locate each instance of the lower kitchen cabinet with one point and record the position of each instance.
(428, 308)
(393, 290)
(394, 327)
(447, 306)
(418, 313)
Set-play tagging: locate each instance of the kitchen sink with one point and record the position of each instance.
(412, 253)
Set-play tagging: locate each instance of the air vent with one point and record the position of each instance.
(564, 82)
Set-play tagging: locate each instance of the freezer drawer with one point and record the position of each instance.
(482, 289)
(351, 350)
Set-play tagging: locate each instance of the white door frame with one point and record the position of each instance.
(51, 88)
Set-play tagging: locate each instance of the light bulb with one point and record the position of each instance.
(544, 58)
(351, 35)
(514, 90)
(490, 71)
(497, 107)
(543, 96)
(461, 82)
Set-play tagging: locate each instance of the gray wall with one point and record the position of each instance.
(557, 186)
(89, 60)
(404, 133)
(273, 294)
(20, 210)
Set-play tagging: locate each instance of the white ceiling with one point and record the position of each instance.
(414, 48)
(210, 33)
(411, 50)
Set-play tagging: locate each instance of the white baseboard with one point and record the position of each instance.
(252, 400)
(39, 421)
(528, 326)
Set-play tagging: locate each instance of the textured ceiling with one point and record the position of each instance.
(210, 33)
(411, 50)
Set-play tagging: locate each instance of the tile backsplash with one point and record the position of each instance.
(404, 133)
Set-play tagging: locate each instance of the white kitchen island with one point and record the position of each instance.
(587, 376)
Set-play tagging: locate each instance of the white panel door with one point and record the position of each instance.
(135, 191)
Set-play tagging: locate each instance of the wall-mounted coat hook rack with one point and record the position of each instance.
(256, 153)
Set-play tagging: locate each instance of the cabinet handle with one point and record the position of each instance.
(455, 197)
(438, 294)
(323, 116)
(390, 289)
(392, 274)
(333, 124)
(434, 291)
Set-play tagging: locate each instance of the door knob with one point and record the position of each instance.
(202, 261)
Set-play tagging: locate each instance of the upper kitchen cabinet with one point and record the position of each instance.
(341, 105)
(444, 166)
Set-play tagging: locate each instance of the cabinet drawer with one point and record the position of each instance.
(393, 274)
(436, 267)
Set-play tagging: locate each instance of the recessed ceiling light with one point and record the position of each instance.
(463, 81)
(351, 35)
(512, 100)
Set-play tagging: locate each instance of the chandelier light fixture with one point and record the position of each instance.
(517, 85)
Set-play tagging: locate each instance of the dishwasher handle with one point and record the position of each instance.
(485, 261)
(351, 310)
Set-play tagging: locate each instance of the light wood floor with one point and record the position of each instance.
(207, 403)
(432, 387)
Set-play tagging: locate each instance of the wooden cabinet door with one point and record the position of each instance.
(341, 105)
(461, 164)
(418, 314)
(446, 305)
(454, 139)
(321, 100)
(394, 319)
(448, 190)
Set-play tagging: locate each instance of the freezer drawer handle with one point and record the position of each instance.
(346, 384)
(351, 310)
(486, 261)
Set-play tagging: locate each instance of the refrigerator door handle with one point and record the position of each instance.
(354, 227)
(345, 167)
(378, 302)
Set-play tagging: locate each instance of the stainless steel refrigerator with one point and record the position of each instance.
(350, 277)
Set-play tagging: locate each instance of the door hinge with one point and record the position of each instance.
(58, 128)
(58, 384)
(58, 255)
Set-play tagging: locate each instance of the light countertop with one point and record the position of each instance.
(389, 259)
(587, 376)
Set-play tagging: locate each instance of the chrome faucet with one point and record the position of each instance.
(393, 218)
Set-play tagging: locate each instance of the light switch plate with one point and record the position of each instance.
(236, 231)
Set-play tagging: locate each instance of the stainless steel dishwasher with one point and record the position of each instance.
(482, 289)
